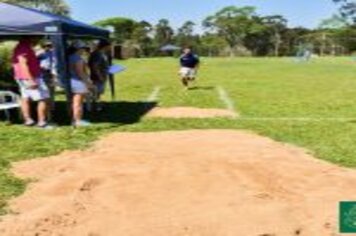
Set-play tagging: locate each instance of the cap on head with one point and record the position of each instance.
(47, 44)
(79, 45)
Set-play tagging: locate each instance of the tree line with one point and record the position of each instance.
(230, 31)
(235, 31)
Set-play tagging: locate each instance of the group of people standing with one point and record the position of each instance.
(88, 70)
(36, 76)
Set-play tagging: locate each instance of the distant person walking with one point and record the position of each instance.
(27, 73)
(99, 64)
(80, 81)
(189, 63)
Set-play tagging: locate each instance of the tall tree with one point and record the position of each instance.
(334, 22)
(163, 33)
(186, 35)
(233, 24)
(328, 30)
(276, 25)
(59, 7)
(211, 44)
(123, 28)
(347, 9)
(141, 35)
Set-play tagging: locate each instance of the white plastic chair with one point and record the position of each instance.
(8, 101)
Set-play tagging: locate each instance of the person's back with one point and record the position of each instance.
(73, 60)
(99, 65)
(23, 50)
(47, 61)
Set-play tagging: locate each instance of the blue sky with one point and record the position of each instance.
(306, 13)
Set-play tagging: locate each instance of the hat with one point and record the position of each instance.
(79, 45)
(47, 43)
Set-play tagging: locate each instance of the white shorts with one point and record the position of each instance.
(186, 72)
(78, 86)
(38, 94)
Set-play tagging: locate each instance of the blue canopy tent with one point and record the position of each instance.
(18, 21)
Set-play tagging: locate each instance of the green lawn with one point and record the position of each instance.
(288, 101)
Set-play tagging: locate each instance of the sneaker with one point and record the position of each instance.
(29, 123)
(81, 123)
(45, 125)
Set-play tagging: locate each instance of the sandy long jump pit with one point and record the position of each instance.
(191, 112)
(196, 183)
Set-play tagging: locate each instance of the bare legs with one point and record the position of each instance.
(41, 111)
(77, 108)
(26, 111)
(185, 82)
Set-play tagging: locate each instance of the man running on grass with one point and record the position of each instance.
(189, 66)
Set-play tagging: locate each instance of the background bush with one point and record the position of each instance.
(6, 78)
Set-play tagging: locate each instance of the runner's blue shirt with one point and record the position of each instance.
(189, 60)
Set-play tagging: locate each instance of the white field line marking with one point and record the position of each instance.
(224, 97)
(302, 119)
(154, 94)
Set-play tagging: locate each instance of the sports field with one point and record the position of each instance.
(311, 105)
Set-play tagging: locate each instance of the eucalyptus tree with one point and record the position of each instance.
(59, 7)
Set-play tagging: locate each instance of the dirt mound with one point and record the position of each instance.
(206, 183)
(190, 112)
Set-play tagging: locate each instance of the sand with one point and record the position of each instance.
(191, 183)
(190, 112)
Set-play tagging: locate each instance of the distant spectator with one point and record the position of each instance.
(80, 81)
(48, 66)
(99, 63)
(189, 63)
(27, 73)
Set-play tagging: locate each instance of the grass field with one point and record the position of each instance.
(312, 105)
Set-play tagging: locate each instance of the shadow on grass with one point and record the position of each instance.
(202, 88)
(116, 113)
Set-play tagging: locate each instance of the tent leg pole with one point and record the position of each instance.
(60, 42)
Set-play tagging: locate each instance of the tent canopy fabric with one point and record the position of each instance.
(18, 20)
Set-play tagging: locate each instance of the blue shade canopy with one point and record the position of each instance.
(169, 48)
(18, 20)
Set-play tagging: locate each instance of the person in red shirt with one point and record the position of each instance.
(27, 73)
